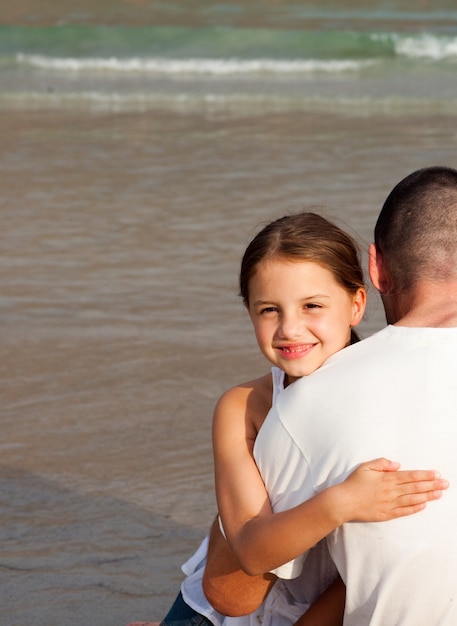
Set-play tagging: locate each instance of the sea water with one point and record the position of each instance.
(240, 56)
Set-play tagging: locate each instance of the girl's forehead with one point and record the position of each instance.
(282, 274)
(290, 265)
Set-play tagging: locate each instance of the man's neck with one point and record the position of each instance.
(429, 304)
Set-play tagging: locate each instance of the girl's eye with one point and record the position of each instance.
(268, 309)
(312, 305)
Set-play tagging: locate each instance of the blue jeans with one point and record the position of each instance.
(181, 614)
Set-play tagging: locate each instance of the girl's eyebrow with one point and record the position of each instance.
(317, 295)
(258, 302)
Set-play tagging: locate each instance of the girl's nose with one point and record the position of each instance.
(291, 327)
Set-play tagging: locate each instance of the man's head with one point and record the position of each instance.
(416, 232)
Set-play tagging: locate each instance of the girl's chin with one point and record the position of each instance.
(293, 373)
(292, 376)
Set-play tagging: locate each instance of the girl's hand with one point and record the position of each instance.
(376, 491)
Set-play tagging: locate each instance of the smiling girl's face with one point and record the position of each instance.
(301, 314)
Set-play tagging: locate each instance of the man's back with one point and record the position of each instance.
(392, 395)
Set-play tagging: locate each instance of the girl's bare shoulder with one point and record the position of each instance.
(250, 401)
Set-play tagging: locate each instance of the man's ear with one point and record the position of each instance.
(377, 270)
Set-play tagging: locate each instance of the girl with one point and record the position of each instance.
(302, 284)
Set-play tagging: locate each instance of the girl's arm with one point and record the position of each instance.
(228, 588)
(262, 540)
(232, 592)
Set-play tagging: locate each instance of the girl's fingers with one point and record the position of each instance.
(412, 476)
(418, 498)
(424, 486)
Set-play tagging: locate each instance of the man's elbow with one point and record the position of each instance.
(231, 605)
(250, 565)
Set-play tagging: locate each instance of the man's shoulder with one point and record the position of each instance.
(354, 354)
(342, 373)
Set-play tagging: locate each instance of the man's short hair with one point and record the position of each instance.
(416, 232)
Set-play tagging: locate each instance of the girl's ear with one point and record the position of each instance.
(359, 303)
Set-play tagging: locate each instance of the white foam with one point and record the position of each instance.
(192, 66)
(422, 46)
(427, 46)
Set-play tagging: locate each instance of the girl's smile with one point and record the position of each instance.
(295, 351)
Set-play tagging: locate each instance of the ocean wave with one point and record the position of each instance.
(215, 49)
(219, 67)
(427, 46)
(421, 45)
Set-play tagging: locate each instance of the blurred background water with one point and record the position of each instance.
(143, 144)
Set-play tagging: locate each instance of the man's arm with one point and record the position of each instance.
(232, 592)
(328, 609)
(229, 590)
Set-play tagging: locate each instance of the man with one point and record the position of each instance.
(394, 395)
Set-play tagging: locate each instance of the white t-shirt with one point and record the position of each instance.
(392, 395)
